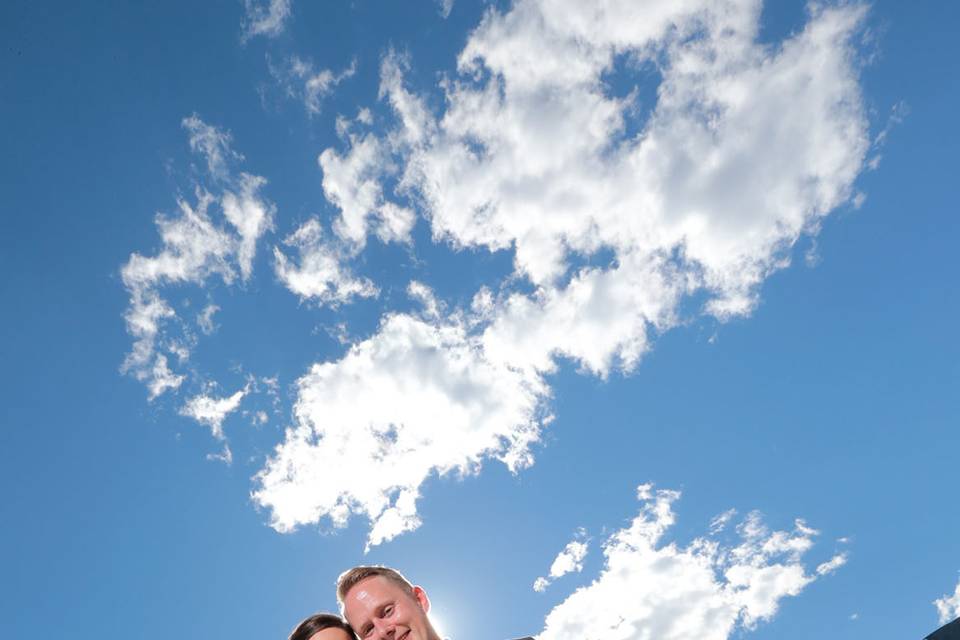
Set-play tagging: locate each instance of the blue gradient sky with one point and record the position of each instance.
(835, 400)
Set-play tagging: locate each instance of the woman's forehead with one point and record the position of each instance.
(331, 633)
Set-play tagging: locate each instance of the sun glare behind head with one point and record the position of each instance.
(439, 624)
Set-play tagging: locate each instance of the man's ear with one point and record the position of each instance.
(421, 597)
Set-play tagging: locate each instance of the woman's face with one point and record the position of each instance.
(331, 633)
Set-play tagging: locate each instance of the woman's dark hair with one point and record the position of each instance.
(318, 622)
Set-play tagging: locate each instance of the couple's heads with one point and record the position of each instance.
(378, 604)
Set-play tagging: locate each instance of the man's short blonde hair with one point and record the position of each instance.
(349, 579)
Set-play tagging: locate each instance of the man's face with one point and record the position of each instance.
(380, 609)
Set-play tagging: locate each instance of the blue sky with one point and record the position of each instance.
(661, 299)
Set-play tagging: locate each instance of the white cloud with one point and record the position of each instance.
(702, 591)
(250, 215)
(720, 522)
(747, 147)
(948, 607)
(898, 112)
(211, 411)
(417, 123)
(266, 18)
(415, 399)
(533, 156)
(705, 199)
(205, 319)
(832, 564)
(194, 249)
(321, 274)
(445, 6)
(212, 143)
(600, 316)
(351, 182)
(301, 80)
(423, 294)
(569, 560)
(161, 379)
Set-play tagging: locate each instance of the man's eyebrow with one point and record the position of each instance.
(378, 613)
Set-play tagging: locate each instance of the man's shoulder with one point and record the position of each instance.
(946, 632)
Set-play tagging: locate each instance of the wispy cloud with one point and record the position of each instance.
(445, 6)
(322, 274)
(265, 18)
(747, 148)
(213, 144)
(352, 183)
(205, 319)
(569, 560)
(300, 80)
(898, 114)
(211, 411)
(948, 607)
(195, 247)
(649, 588)
(832, 564)
(720, 522)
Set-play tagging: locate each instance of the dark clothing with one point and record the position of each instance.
(949, 631)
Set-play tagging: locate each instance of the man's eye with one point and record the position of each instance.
(388, 610)
(367, 632)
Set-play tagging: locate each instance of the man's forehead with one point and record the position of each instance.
(372, 585)
(369, 593)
